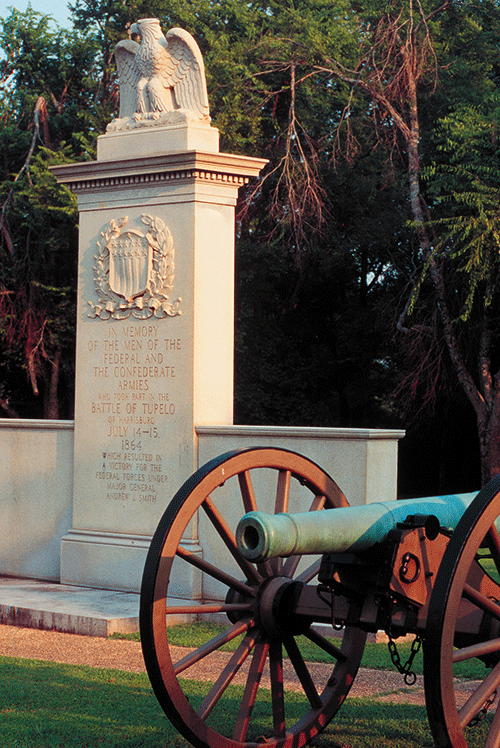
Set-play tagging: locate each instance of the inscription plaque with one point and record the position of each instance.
(134, 411)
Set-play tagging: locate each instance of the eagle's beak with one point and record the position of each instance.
(134, 29)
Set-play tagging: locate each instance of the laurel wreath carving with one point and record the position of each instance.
(155, 299)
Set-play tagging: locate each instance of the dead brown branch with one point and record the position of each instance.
(39, 115)
(298, 200)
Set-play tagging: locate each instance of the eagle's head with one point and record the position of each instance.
(147, 28)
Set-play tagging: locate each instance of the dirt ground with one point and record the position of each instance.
(127, 655)
(120, 654)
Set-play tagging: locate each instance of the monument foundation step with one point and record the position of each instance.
(59, 607)
(49, 606)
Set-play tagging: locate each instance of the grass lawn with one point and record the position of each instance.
(47, 705)
(50, 705)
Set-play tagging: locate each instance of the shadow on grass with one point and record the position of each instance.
(49, 705)
(367, 724)
(370, 724)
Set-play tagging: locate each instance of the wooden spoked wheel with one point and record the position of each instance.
(463, 631)
(241, 698)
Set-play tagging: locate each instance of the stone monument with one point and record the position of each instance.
(155, 304)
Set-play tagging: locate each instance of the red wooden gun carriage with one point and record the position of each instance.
(429, 568)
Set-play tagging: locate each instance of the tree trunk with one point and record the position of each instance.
(489, 438)
(51, 401)
(488, 419)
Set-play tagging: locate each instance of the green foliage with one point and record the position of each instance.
(49, 107)
(57, 65)
(466, 183)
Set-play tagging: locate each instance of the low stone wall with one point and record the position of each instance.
(36, 488)
(363, 462)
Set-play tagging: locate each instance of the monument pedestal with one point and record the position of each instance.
(154, 336)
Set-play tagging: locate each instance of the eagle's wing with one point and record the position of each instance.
(186, 73)
(129, 74)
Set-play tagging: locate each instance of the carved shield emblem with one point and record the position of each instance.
(129, 264)
(134, 272)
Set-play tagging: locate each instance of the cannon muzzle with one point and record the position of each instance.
(262, 536)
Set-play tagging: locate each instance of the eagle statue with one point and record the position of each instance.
(162, 79)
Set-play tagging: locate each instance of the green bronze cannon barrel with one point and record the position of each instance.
(262, 536)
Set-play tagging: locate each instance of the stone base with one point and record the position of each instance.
(34, 604)
(104, 560)
(154, 141)
(110, 561)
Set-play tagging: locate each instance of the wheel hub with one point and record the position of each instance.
(277, 604)
(275, 607)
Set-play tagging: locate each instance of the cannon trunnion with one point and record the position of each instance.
(429, 568)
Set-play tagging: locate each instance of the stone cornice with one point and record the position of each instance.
(36, 424)
(191, 166)
(304, 432)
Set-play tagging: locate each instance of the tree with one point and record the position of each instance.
(410, 70)
(466, 191)
(48, 112)
(457, 226)
(455, 300)
(343, 100)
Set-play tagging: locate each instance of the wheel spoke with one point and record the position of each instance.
(318, 503)
(229, 540)
(283, 491)
(479, 697)
(326, 645)
(476, 650)
(493, 539)
(290, 566)
(214, 572)
(251, 688)
(215, 643)
(204, 608)
(277, 688)
(308, 574)
(247, 492)
(302, 672)
(227, 674)
(482, 602)
(276, 565)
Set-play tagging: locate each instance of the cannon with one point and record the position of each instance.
(273, 576)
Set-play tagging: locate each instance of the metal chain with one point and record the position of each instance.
(410, 676)
(483, 712)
